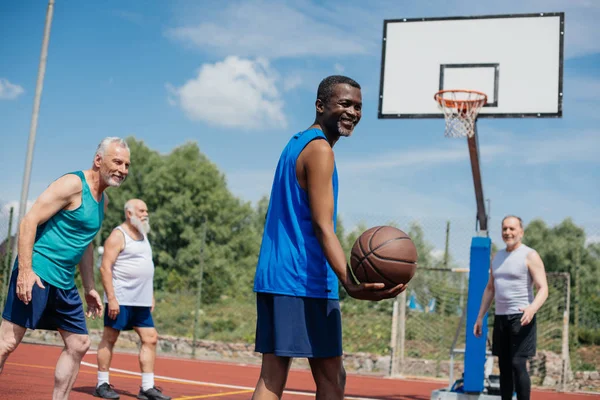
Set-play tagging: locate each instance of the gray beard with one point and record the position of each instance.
(343, 131)
(142, 226)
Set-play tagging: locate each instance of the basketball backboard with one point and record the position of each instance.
(516, 60)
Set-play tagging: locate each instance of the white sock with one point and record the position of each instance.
(102, 377)
(147, 380)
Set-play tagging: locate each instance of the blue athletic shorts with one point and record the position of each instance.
(129, 317)
(291, 326)
(50, 308)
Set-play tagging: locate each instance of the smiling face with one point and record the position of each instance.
(113, 164)
(512, 232)
(340, 114)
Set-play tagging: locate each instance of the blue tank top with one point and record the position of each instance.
(291, 260)
(61, 241)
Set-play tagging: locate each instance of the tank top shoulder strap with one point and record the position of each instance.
(302, 139)
(126, 237)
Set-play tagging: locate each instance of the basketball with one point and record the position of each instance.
(384, 254)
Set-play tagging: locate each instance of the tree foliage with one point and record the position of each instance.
(186, 193)
(563, 249)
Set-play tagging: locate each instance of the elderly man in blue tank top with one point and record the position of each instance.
(127, 276)
(54, 237)
(301, 259)
(515, 270)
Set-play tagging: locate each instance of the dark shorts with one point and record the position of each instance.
(50, 308)
(290, 326)
(512, 339)
(129, 317)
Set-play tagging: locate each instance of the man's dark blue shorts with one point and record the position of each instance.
(50, 308)
(290, 326)
(129, 317)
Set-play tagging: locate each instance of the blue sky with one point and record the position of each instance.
(164, 72)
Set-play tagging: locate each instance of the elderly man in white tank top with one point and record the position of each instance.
(127, 276)
(515, 270)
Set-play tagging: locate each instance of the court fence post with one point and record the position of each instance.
(7, 258)
(199, 292)
(566, 361)
(398, 335)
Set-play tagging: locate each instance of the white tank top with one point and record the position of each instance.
(133, 273)
(512, 281)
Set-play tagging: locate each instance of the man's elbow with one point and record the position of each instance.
(27, 223)
(322, 229)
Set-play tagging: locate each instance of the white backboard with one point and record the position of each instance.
(516, 60)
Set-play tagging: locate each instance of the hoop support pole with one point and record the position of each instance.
(473, 144)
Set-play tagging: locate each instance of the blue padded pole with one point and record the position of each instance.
(475, 348)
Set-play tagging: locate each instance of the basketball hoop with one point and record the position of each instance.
(460, 108)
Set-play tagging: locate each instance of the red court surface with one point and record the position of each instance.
(29, 374)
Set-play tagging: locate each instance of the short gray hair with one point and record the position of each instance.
(513, 216)
(107, 141)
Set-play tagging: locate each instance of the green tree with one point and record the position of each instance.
(184, 191)
(563, 249)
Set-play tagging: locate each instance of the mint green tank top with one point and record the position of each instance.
(61, 241)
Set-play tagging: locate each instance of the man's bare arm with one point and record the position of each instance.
(86, 268)
(56, 197)
(112, 247)
(319, 166)
(538, 275)
(486, 302)
(488, 296)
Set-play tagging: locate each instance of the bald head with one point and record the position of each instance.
(136, 213)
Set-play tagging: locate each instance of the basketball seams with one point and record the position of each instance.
(367, 264)
(392, 259)
(380, 246)
(378, 272)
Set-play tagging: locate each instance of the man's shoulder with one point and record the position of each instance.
(70, 182)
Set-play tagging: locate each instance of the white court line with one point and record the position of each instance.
(221, 385)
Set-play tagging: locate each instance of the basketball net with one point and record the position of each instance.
(460, 108)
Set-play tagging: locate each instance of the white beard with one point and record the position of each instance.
(142, 226)
(110, 181)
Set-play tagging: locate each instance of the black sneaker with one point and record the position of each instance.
(106, 391)
(153, 393)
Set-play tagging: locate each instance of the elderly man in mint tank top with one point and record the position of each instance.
(54, 237)
(515, 270)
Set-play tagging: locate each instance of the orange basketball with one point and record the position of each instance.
(384, 254)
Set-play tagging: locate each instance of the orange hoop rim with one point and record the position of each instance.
(460, 104)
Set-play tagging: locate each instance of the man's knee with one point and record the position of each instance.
(110, 336)
(8, 345)
(149, 338)
(519, 364)
(79, 344)
(330, 375)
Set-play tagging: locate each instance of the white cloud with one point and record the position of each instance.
(292, 82)
(415, 158)
(5, 216)
(552, 147)
(9, 91)
(592, 240)
(339, 68)
(235, 93)
(271, 29)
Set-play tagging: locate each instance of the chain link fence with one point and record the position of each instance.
(411, 335)
(431, 331)
(7, 242)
